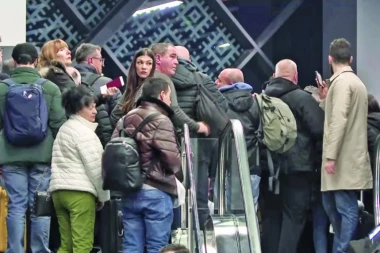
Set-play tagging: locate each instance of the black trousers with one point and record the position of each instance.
(284, 216)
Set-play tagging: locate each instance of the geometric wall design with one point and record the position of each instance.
(93, 11)
(45, 22)
(192, 24)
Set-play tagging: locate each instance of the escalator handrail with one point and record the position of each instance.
(236, 129)
(376, 182)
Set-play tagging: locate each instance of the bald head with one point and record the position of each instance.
(182, 52)
(287, 69)
(229, 77)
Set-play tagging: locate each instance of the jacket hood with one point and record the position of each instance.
(374, 120)
(236, 86)
(239, 96)
(279, 86)
(84, 67)
(184, 74)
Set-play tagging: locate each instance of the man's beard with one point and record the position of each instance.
(331, 70)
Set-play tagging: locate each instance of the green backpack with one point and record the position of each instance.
(278, 127)
(277, 131)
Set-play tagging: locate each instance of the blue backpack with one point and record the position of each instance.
(26, 113)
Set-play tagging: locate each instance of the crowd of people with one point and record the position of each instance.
(321, 174)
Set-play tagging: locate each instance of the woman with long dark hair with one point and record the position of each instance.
(142, 66)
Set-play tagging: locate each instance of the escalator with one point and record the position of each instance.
(234, 227)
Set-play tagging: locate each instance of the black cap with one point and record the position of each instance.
(24, 53)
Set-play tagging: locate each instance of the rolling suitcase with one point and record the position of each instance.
(111, 227)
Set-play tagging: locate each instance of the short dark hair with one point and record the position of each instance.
(340, 51)
(75, 98)
(161, 48)
(177, 248)
(373, 105)
(152, 87)
(24, 53)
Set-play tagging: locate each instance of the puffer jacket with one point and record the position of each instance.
(185, 84)
(305, 156)
(77, 157)
(157, 143)
(244, 108)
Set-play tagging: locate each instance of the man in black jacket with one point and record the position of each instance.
(242, 107)
(90, 65)
(186, 78)
(299, 167)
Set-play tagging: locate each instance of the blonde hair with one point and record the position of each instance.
(49, 52)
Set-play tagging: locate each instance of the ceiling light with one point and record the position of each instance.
(158, 7)
(224, 45)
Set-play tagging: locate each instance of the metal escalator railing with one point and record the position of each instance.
(194, 234)
(235, 133)
(376, 183)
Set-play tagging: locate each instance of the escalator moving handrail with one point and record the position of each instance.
(244, 173)
(376, 183)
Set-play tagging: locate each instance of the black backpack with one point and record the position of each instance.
(121, 169)
(208, 110)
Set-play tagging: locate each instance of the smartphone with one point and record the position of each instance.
(318, 77)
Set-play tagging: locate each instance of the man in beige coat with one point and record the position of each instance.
(345, 166)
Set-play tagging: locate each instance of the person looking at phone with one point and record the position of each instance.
(345, 160)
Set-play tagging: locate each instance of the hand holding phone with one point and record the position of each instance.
(318, 79)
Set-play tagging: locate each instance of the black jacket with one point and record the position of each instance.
(86, 70)
(244, 108)
(57, 73)
(373, 129)
(306, 155)
(185, 83)
(104, 106)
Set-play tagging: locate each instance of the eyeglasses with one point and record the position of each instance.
(100, 59)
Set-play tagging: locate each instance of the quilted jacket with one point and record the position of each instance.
(157, 143)
(77, 156)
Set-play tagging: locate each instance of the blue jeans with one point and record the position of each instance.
(147, 219)
(320, 226)
(21, 183)
(342, 209)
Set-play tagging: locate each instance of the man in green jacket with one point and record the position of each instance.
(26, 168)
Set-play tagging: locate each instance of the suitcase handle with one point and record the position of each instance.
(120, 228)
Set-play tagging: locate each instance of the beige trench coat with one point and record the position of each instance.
(345, 134)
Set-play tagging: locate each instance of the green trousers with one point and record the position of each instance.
(76, 218)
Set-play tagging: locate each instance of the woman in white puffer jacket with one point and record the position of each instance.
(76, 181)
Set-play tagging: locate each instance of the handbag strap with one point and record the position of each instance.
(42, 177)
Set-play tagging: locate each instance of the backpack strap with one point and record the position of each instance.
(40, 81)
(9, 82)
(91, 79)
(143, 123)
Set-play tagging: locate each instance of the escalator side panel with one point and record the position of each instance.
(226, 234)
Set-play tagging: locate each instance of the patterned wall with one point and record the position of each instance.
(45, 22)
(192, 24)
